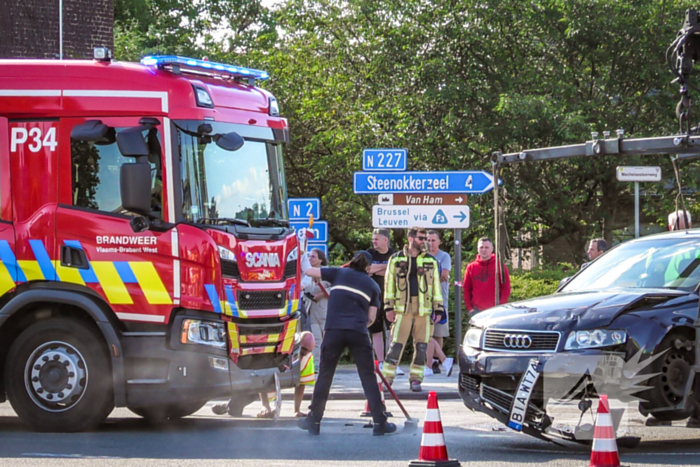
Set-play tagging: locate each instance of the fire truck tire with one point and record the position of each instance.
(58, 376)
(668, 386)
(161, 414)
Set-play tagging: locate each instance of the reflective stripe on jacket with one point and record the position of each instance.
(396, 283)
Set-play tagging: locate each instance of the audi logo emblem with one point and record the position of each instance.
(517, 341)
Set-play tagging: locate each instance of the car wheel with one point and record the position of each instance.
(157, 415)
(668, 387)
(58, 376)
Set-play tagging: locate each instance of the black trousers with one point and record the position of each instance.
(335, 341)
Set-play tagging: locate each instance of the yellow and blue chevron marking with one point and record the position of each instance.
(112, 276)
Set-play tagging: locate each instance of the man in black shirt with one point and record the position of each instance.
(380, 258)
(352, 307)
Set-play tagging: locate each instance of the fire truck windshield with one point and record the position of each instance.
(218, 185)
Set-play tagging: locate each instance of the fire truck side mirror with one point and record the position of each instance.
(131, 142)
(229, 141)
(135, 186)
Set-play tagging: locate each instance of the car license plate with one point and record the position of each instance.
(523, 395)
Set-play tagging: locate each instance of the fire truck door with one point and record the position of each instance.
(97, 247)
(33, 169)
(8, 262)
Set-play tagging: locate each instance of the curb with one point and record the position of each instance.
(360, 396)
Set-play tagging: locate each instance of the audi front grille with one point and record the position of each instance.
(506, 340)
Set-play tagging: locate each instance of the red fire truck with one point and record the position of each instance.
(145, 256)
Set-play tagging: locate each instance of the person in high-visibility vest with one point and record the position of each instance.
(307, 377)
(412, 295)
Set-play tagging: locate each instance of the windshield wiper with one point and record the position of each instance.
(224, 221)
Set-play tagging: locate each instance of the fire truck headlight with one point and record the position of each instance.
(199, 332)
(293, 255)
(226, 254)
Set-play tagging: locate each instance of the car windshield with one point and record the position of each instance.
(220, 185)
(663, 263)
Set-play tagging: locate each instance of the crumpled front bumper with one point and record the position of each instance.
(488, 382)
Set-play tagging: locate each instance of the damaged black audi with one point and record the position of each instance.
(623, 326)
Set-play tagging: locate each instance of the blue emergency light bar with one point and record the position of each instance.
(232, 70)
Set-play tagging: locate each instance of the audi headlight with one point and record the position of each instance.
(209, 333)
(293, 255)
(473, 338)
(225, 253)
(594, 338)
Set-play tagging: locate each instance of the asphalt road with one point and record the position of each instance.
(205, 439)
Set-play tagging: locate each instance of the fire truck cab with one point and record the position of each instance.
(146, 260)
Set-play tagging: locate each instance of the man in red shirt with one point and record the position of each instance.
(479, 284)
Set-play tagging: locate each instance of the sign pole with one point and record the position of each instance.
(636, 209)
(458, 295)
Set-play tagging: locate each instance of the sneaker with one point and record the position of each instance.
(381, 429)
(381, 366)
(447, 365)
(436, 367)
(220, 409)
(427, 371)
(415, 386)
(308, 424)
(399, 371)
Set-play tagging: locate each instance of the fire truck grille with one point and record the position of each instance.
(260, 329)
(290, 269)
(261, 299)
(515, 341)
(230, 269)
(252, 346)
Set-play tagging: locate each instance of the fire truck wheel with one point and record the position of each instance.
(668, 386)
(161, 414)
(58, 376)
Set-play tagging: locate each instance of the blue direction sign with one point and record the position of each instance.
(320, 246)
(320, 229)
(385, 160)
(303, 208)
(471, 181)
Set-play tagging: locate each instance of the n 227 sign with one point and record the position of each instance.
(35, 136)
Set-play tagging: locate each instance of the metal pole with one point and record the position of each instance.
(458, 292)
(636, 209)
(496, 235)
(60, 29)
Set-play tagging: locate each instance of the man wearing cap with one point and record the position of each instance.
(352, 307)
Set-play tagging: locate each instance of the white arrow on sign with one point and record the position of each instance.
(436, 217)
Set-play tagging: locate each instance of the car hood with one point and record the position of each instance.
(574, 310)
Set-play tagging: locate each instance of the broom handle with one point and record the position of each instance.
(391, 391)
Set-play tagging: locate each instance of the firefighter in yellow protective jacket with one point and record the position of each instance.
(411, 296)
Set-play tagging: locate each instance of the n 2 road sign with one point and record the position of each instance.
(321, 246)
(384, 160)
(438, 217)
(367, 183)
(303, 208)
(320, 230)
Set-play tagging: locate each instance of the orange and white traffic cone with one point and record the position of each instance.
(433, 451)
(367, 412)
(604, 451)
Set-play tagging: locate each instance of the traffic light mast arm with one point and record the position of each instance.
(686, 147)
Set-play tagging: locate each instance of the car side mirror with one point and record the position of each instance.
(563, 282)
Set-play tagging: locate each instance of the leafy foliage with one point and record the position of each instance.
(451, 81)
